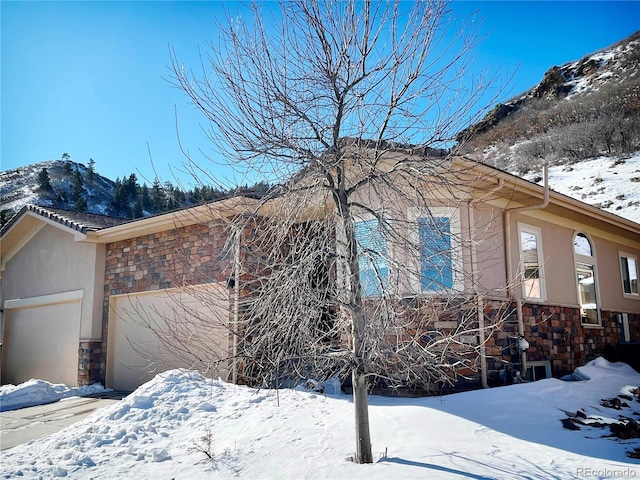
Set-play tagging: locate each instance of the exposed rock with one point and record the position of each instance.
(549, 86)
(490, 120)
(614, 403)
(635, 453)
(569, 424)
(625, 431)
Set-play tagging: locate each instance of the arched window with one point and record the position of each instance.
(586, 276)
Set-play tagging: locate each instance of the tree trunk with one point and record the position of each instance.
(358, 321)
(361, 407)
(348, 256)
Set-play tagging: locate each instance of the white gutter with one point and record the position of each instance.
(509, 261)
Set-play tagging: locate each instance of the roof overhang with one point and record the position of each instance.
(475, 181)
(518, 191)
(222, 209)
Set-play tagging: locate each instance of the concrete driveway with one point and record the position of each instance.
(20, 426)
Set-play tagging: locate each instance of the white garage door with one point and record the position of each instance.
(41, 342)
(155, 331)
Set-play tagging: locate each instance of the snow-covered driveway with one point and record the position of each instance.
(20, 426)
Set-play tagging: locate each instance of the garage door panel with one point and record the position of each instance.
(152, 332)
(42, 342)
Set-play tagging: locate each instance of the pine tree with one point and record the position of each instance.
(179, 197)
(5, 216)
(137, 210)
(157, 196)
(146, 199)
(132, 187)
(76, 185)
(80, 205)
(91, 171)
(120, 202)
(44, 182)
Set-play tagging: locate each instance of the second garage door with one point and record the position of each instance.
(154, 331)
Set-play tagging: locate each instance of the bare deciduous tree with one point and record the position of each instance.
(329, 268)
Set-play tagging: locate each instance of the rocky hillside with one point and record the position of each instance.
(68, 185)
(583, 120)
(24, 185)
(597, 97)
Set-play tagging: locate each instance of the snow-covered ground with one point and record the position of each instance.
(39, 392)
(169, 427)
(610, 183)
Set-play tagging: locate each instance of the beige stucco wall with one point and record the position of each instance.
(610, 278)
(53, 262)
(488, 242)
(559, 260)
(558, 263)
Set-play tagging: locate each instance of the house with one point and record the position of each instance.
(52, 290)
(71, 283)
(561, 275)
(87, 300)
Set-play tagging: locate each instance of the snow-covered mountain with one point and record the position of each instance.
(612, 184)
(609, 79)
(583, 120)
(21, 186)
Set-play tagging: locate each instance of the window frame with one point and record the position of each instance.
(580, 260)
(627, 255)
(455, 230)
(530, 374)
(537, 231)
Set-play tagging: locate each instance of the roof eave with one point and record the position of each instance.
(536, 191)
(191, 216)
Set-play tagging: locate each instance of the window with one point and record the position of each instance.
(586, 279)
(629, 270)
(436, 269)
(436, 233)
(582, 245)
(538, 371)
(531, 262)
(587, 291)
(372, 259)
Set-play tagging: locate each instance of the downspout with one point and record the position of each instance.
(474, 282)
(506, 224)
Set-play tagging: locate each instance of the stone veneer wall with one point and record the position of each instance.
(189, 255)
(634, 326)
(90, 363)
(556, 334)
(182, 256)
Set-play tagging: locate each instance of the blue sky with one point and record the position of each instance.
(89, 78)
